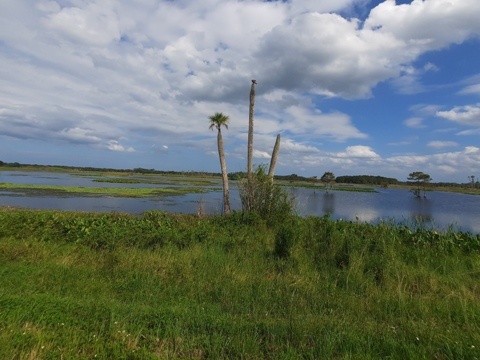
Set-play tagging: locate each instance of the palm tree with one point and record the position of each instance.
(216, 121)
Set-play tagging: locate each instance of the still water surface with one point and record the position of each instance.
(440, 210)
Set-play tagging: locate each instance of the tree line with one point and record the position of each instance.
(366, 180)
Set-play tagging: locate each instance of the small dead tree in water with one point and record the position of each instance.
(327, 178)
(420, 179)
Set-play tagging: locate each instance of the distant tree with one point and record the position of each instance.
(471, 180)
(218, 120)
(421, 179)
(366, 180)
(327, 178)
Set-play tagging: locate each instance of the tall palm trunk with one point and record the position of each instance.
(250, 129)
(223, 165)
(250, 186)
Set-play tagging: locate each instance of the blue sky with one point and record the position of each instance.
(353, 86)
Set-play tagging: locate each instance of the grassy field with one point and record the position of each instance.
(116, 286)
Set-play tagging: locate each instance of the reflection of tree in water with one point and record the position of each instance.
(421, 210)
(312, 202)
(326, 199)
(328, 203)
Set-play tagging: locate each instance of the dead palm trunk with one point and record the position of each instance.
(250, 129)
(250, 186)
(273, 160)
(223, 165)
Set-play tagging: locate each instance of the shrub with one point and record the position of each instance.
(284, 240)
(260, 195)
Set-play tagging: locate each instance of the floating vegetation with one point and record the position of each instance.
(157, 181)
(337, 188)
(94, 191)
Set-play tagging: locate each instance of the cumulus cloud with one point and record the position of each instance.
(426, 25)
(337, 126)
(291, 146)
(471, 89)
(116, 146)
(96, 24)
(465, 115)
(415, 122)
(260, 154)
(442, 144)
(358, 151)
(99, 71)
(79, 135)
(409, 81)
(326, 54)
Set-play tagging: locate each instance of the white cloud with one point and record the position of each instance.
(469, 132)
(95, 24)
(465, 115)
(442, 144)
(427, 25)
(415, 122)
(99, 71)
(260, 154)
(358, 151)
(325, 54)
(291, 146)
(337, 126)
(116, 146)
(471, 89)
(447, 169)
(79, 135)
(409, 80)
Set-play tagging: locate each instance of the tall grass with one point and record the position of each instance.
(115, 286)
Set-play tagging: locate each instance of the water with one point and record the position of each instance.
(439, 211)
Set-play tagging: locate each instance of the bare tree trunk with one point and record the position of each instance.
(223, 165)
(250, 186)
(250, 129)
(273, 160)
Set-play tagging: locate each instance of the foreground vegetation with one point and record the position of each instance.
(116, 286)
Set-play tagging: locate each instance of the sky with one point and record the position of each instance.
(355, 87)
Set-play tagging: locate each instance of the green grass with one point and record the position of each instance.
(76, 190)
(116, 286)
